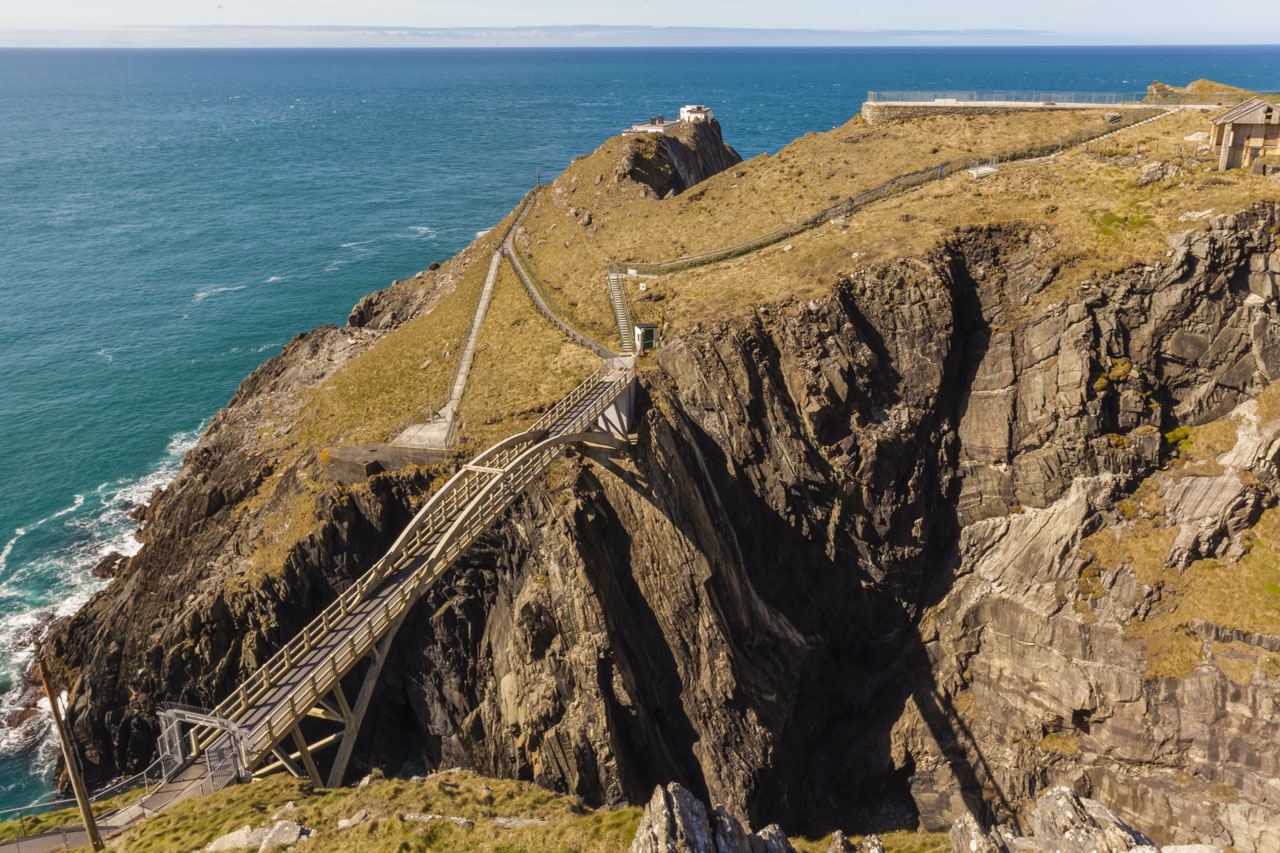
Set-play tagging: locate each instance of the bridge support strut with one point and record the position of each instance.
(355, 714)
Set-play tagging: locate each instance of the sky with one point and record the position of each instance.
(498, 22)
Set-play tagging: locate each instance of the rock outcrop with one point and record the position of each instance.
(671, 163)
(1064, 823)
(835, 584)
(675, 821)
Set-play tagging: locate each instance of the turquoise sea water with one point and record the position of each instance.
(169, 219)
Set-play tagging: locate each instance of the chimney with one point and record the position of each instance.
(660, 119)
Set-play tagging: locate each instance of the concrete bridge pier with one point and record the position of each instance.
(618, 419)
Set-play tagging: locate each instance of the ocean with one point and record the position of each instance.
(169, 219)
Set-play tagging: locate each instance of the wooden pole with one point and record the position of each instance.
(69, 756)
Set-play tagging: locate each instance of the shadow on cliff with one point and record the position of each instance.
(822, 630)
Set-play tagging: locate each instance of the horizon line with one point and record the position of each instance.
(302, 36)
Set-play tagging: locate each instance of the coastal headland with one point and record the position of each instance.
(931, 503)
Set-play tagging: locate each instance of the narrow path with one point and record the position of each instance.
(621, 314)
(469, 349)
(535, 293)
(191, 782)
(437, 433)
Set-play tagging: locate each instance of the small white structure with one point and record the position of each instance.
(696, 112)
(653, 125)
(646, 337)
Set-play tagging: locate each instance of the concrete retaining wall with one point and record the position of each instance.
(351, 465)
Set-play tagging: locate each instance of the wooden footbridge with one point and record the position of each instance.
(294, 712)
(259, 727)
(295, 706)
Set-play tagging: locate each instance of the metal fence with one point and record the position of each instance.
(1060, 98)
(897, 186)
(152, 777)
(549, 307)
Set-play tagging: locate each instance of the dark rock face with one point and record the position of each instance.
(824, 591)
(110, 565)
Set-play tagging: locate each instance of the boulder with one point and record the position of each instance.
(284, 833)
(237, 840)
(968, 836)
(1191, 848)
(840, 844)
(674, 822)
(359, 817)
(1068, 824)
(870, 844)
(771, 839)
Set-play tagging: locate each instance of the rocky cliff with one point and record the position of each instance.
(669, 164)
(851, 575)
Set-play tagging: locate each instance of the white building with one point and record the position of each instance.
(696, 112)
(653, 125)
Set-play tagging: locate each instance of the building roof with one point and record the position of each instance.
(1250, 112)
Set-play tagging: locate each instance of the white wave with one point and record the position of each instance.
(356, 244)
(76, 503)
(423, 231)
(18, 533)
(205, 294)
(273, 279)
(96, 528)
(104, 353)
(484, 232)
(8, 546)
(269, 346)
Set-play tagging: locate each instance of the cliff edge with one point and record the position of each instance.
(929, 509)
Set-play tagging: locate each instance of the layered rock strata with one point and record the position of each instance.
(832, 585)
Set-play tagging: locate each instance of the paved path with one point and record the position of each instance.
(191, 782)
(437, 433)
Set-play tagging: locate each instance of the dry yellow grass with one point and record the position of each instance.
(1095, 213)
(569, 825)
(523, 364)
(755, 197)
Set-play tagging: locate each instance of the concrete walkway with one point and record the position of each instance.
(437, 433)
(191, 782)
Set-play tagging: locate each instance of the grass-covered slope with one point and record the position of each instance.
(1090, 206)
(556, 823)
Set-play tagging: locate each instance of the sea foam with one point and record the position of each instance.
(46, 586)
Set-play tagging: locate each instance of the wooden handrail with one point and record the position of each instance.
(449, 523)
